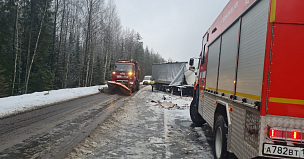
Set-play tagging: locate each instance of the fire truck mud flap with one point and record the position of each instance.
(116, 87)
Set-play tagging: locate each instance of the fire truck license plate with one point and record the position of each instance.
(286, 151)
(119, 76)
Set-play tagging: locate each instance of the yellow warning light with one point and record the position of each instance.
(230, 109)
(215, 102)
(130, 73)
(123, 61)
(202, 95)
(114, 73)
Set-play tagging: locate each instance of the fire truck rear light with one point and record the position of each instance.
(277, 133)
(293, 135)
(285, 134)
(272, 132)
(230, 109)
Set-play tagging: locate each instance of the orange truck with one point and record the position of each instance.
(250, 81)
(125, 76)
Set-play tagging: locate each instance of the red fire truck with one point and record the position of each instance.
(250, 82)
(127, 73)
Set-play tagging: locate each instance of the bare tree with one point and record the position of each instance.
(16, 53)
(87, 42)
(60, 38)
(35, 50)
(54, 35)
(112, 24)
(71, 38)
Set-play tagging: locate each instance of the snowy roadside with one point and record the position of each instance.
(17, 104)
(148, 126)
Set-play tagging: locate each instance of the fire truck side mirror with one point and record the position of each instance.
(191, 61)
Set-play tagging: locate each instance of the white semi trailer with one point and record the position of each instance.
(173, 76)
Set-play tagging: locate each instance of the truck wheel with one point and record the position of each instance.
(220, 138)
(133, 90)
(195, 116)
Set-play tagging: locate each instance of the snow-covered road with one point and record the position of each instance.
(143, 128)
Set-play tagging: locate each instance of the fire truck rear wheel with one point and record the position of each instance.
(133, 90)
(195, 116)
(220, 138)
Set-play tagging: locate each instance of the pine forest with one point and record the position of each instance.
(57, 44)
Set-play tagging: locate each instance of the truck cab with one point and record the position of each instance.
(127, 73)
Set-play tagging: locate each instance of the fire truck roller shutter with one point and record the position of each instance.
(228, 60)
(211, 81)
(212, 65)
(252, 53)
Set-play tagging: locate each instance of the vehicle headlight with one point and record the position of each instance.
(131, 82)
(148, 81)
(130, 73)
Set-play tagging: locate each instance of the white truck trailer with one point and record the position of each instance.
(173, 76)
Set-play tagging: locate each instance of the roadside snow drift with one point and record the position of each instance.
(17, 104)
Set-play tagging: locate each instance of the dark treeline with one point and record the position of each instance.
(54, 44)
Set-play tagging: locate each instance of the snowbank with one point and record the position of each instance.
(16, 104)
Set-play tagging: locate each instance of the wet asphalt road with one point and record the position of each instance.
(52, 131)
(141, 130)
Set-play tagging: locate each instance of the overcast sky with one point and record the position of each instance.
(173, 28)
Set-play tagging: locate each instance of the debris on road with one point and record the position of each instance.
(170, 102)
(153, 101)
(139, 129)
(185, 150)
(167, 104)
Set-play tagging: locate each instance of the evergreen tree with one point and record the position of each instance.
(54, 44)
(3, 85)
